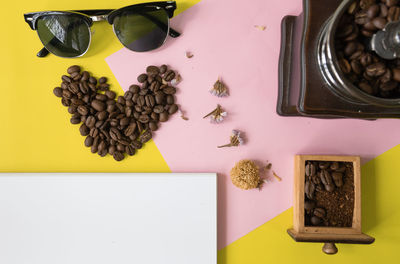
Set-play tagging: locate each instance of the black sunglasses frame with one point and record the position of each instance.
(95, 15)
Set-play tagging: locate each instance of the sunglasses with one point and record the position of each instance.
(140, 27)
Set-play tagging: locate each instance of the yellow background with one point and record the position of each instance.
(36, 136)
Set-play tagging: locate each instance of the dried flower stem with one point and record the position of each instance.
(276, 176)
(236, 140)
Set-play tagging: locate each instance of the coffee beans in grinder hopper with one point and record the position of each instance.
(364, 68)
(114, 124)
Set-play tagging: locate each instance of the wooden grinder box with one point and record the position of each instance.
(328, 235)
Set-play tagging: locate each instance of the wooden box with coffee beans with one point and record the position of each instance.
(327, 201)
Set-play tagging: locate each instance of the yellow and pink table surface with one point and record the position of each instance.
(36, 135)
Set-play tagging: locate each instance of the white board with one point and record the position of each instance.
(108, 218)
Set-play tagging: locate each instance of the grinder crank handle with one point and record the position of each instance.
(386, 42)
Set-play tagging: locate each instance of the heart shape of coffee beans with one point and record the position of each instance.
(118, 125)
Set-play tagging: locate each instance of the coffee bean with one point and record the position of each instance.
(390, 3)
(326, 179)
(379, 22)
(169, 75)
(84, 130)
(376, 69)
(88, 141)
(153, 70)
(128, 95)
(319, 212)
(144, 91)
(134, 88)
(386, 77)
(125, 121)
(72, 109)
(315, 220)
(82, 110)
(104, 87)
(130, 129)
(169, 90)
(365, 4)
(140, 101)
(84, 87)
(102, 115)
(118, 156)
(350, 48)
(370, 27)
(130, 150)
(150, 101)
(90, 121)
(73, 68)
(146, 136)
(163, 117)
(144, 118)
(393, 14)
(344, 66)
(76, 76)
(98, 105)
(337, 178)
(309, 205)
(170, 99)
(356, 67)
(388, 86)
(173, 109)
(102, 146)
(383, 10)
(309, 188)
(95, 145)
(85, 76)
(142, 78)
(102, 80)
(94, 132)
(111, 149)
(373, 11)
(310, 170)
(121, 100)
(115, 134)
(163, 69)
(352, 8)
(58, 92)
(361, 18)
(396, 74)
(75, 120)
(101, 97)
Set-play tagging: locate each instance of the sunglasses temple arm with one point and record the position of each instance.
(42, 53)
(173, 33)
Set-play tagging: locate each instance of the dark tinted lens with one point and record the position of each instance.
(64, 35)
(142, 30)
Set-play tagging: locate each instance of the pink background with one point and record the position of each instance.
(224, 41)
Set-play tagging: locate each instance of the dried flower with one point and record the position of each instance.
(236, 140)
(176, 80)
(219, 89)
(262, 28)
(217, 115)
(245, 175)
(189, 55)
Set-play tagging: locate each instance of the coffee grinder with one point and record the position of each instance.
(311, 83)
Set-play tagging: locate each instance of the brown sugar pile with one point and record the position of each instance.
(245, 175)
